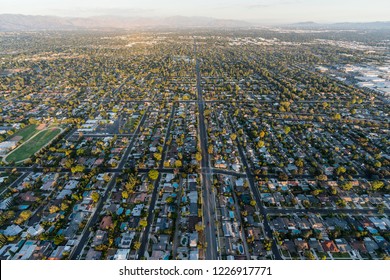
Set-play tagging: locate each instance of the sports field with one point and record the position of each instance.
(26, 132)
(33, 145)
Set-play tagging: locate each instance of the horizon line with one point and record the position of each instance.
(262, 21)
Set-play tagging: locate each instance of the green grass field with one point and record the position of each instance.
(31, 147)
(26, 132)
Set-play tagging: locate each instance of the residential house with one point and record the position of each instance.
(315, 245)
(26, 251)
(329, 246)
(289, 246)
(106, 222)
(194, 254)
(343, 245)
(301, 245)
(126, 240)
(122, 254)
(99, 238)
(193, 239)
(12, 230)
(35, 230)
(93, 255)
(370, 245)
(42, 251)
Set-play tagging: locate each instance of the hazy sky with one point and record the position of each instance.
(261, 10)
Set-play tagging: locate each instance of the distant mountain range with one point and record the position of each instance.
(342, 25)
(15, 22)
(12, 22)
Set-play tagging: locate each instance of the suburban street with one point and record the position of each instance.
(84, 237)
(259, 203)
(152, 205)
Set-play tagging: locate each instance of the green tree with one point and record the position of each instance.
(207, 112)
(58, 239)
(23, 216)
(377, 185)
(316, 192)
(131, 183)
(178, 164)
(106, 177)
(54, 209)
(95, 196)
(199, 227)
(143, 223)
(32, 121)
(153, 174)
(262, 134)
(299, 162)
(64, 206)
(101, 247)
(284, 106)
(125, 195)
(347, 186)
(333, 190)
(267, 243)
(260, 144)
(340, 170)
(322, 177)
(336, 116)
(136, 245)
(325, 105)
(157, 156)
(309, 255)
(306, 203)
(341, 203)
(80, 152)
(7, 215)
(78, 168)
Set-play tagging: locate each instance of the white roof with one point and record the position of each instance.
(33, 231)
(12, 230)
(121, 254)
(193, 197)
(240, 182)
(26, 251)
(70, 185)
(7, 144)
(194, 255)
(169, 177)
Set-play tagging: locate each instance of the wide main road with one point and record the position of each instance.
(208, 203)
